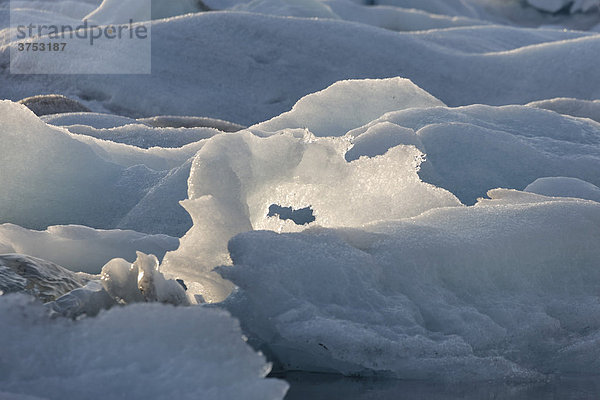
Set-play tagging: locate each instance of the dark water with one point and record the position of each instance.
(307, 386)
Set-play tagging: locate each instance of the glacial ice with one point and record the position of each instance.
(142, 351)
(559, 186)
(39, 278)
(78, 179)
(220, 76)
(470, 150)
(574, 107)
(350, 104)
(235, 179)
(506, 289)
(80, 248)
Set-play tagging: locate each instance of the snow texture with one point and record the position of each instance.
(506, 289)
(145, 351)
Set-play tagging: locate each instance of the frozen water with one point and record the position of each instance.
(93, 120)
(220, 76)
(80, 248)
(504, 289)
(79, 179)
(145, 351)
(350, 104)
(564, 187)
(470, 150)
(120, 11)
(42, 279)
(574, 107)
(235, 179)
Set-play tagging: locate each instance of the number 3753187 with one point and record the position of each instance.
(42, 46)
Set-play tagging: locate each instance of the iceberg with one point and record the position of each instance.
(505, 289)
(138, 351)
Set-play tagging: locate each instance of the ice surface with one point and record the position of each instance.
(557, 5)
(120, 11)
(565, 187)
(40, 278)
(470, 150)
(235, 179)
(221, 76)
(93, 120)
(145, 351)
(171, 121)
(80, 248)
(143, 136)
(78, 179)
(506, 289)
(52, 104)
(121, 282)
(350, 104)
(574, 107)
(66, 182)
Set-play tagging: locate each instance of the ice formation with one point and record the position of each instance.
(350, 104)
(145, 351)
(221, 76)
(504, 289)
(473, 149)
(376, 131)
(80, 248)
(39, 278)
(564, 187)
(574, 107)
(235, 179)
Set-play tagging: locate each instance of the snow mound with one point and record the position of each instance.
(80, 248)
(564, 187)
(221, 76)
(120, 11)
(236, 179)
(554, 6)
(574, 107)
(288, 8)
(470, 150)
(138, 351)
(349, 104)
(506, 289)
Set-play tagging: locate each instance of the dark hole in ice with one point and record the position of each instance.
(302, 216)
(182, 283)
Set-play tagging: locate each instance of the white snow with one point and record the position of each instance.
(146, 351)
